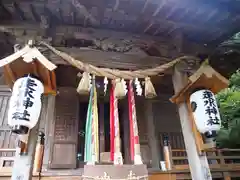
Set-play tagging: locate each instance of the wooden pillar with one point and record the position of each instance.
(152, 136)
(198, 164)
(49, 126)
(23, 164)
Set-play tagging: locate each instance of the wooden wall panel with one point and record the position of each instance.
(165, 115)
(167, 123)
(7, 139)
(143, 131)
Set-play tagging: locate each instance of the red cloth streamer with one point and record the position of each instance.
(112, 127)
(130, 113)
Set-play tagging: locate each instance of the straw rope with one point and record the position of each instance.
(108, 178)
(115, 73)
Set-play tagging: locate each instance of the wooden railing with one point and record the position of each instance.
(218, 158)
(223, 163)
(6, 161)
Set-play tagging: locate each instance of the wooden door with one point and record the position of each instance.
(65, 136)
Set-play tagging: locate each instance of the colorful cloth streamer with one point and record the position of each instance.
(112, 128)
(115, 152)
(91, 154)
(134, 137)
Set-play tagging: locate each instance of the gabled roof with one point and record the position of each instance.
(204, 77)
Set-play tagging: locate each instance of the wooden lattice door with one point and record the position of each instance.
(65, 136)
(7, 139)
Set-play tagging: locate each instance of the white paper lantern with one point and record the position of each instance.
(205, 112)
(25, 104)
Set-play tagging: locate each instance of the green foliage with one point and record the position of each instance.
(229, 106)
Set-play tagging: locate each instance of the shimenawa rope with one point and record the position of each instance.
(115, 73)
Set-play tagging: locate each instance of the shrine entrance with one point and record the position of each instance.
(70, 121)
(104, 129)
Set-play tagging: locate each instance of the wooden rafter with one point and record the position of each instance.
(117, 2)
(160, 6)
(209, 6)
(82, 9)
(172, 10)
(18, 10)
(34, 13)
(145, 5)
(209, 16)
(157, 31)
(4, 11)
(148, 27)
(73, 16)
(59, 10)
(10, 9)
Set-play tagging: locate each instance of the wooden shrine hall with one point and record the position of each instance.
(155, 50)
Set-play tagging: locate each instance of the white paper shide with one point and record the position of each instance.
(25, 104)
(205, 112)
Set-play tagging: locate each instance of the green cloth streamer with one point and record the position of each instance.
(88, 135)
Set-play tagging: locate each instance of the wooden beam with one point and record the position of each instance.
(198, 164)
(44, 24)
(109, 59)
(72, 30)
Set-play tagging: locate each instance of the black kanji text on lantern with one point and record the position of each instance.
(211, 109)
(21, 116)
(29, 87)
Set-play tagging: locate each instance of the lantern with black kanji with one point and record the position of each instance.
(25, 104)
(205, 112)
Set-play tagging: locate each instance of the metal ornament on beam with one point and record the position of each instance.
(204, 78)
(29, 60)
